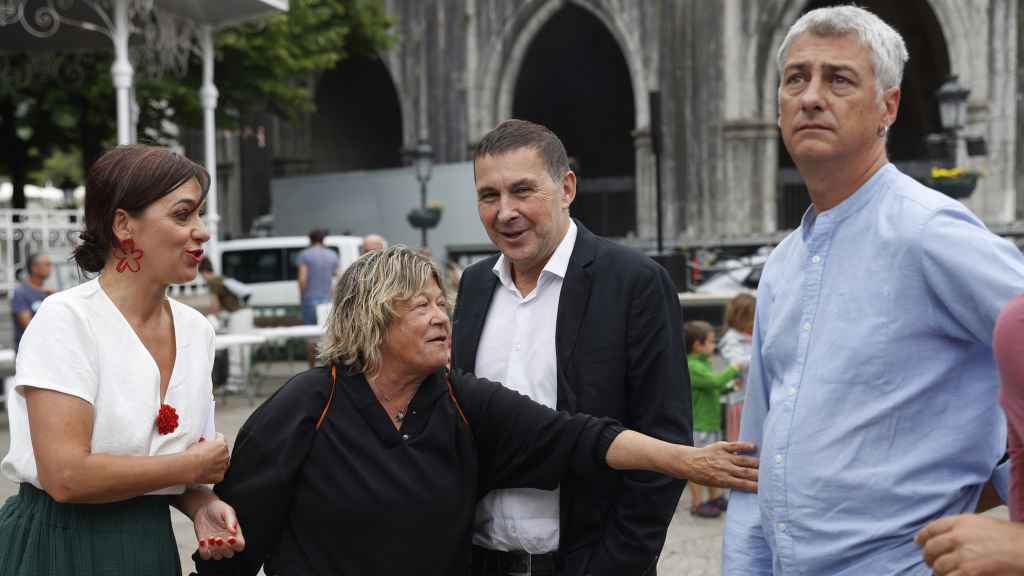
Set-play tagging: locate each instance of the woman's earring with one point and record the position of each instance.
(882, 131)
(128, 257)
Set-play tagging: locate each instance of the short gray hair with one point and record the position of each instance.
(364, 304)
(888, 51)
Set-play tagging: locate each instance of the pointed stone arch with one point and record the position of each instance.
(357, 129)
(503, 66)
(503, 69)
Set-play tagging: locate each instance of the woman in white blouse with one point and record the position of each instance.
(112, 416)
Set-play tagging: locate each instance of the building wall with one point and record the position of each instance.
(713, 63)
(361, 203)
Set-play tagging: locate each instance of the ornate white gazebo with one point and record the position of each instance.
(165, 33)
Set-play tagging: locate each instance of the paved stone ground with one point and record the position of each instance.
(692, 547)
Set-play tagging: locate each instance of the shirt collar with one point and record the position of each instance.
(557, 264)
(847, 207)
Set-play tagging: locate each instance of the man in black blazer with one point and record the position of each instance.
(572, 319)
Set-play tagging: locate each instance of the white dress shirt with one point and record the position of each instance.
(517, 348)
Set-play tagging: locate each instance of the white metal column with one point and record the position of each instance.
(122, 71)
(208, 101)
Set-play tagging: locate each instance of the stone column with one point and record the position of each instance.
(645, 186)
(748, 202)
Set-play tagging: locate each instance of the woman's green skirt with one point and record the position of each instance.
(42, 537)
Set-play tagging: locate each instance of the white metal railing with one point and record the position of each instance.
(53, 232)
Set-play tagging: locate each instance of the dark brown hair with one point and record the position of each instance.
(739, 313)
(317, 235)
(513, 135)
(129, 178)
(696, 331)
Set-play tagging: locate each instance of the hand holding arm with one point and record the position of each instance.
(972, 544)
(216, 525)
(719, 464)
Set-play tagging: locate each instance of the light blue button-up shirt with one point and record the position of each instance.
(872, 391)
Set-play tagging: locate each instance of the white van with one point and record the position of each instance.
(267, 266)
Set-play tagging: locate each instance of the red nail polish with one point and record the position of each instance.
(202, 543)
(220, 541)
(231, 540)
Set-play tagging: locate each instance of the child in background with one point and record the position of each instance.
(735, 348)
(707, 415)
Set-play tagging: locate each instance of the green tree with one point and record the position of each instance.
(36, 118)
(266, 66)
(262, 66)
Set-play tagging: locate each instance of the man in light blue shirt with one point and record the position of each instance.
(872, 385)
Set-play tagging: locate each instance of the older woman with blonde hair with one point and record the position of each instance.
(373, 463)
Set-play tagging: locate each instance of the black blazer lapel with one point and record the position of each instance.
(475, 295)
(572, 307)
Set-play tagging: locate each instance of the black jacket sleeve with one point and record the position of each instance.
(659, 406)
(524, 444)
(267, 458)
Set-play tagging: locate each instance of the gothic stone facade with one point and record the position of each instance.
(711, 65)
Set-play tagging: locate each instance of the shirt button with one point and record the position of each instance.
(816, 259)
(807, 326)
(778, 458)
(792, 391)
(782, 526)
(405, 436)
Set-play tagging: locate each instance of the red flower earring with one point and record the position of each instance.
(128, 257)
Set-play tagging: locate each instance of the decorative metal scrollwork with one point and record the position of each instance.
(25, 232)
(168, 39)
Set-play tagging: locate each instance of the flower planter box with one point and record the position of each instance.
(424, 217)
(955, 187)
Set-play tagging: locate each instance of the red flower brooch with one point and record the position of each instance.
(166, 419)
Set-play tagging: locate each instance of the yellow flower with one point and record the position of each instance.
(946, 172)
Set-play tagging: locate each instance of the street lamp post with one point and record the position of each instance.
(952, 97)
(424, 160)
(947, 177)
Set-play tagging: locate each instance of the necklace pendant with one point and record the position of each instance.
(400, 415)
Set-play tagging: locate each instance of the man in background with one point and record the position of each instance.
(30, 294)
(317, 266)
(372, 243)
